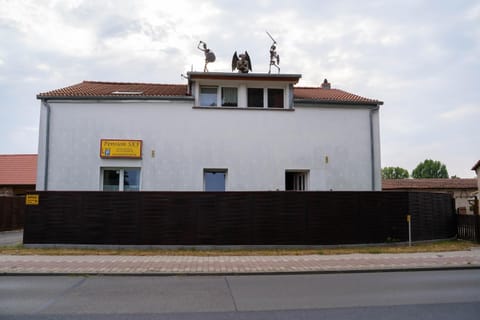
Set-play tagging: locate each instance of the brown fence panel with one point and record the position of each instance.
(468, 227)
(237, 218)
(12, 210)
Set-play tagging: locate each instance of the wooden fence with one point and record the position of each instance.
(237, 218)
(11, 213)
(468, 227)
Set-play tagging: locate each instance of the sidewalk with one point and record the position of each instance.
(183, 265)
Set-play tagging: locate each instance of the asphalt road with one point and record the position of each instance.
(386, 295)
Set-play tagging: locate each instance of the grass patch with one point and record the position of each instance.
(441, 246)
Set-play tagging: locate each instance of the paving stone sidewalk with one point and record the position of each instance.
(32, 264)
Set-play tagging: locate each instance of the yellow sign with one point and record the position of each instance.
(131, 149)
(409, 218)
(32, 199)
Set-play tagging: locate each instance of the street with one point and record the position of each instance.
(386, 295)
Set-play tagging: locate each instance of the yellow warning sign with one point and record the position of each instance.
(32, 199)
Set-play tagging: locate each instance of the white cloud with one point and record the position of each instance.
(461, 112)
(22, 139)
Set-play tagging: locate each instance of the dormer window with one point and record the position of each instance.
(229, 97)
(255, 97)
(208, 96)
(275, 98)
(252, 91)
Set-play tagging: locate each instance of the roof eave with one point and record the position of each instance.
(343, 102)
(116, 97)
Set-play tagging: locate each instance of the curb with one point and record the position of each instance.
(267, 273)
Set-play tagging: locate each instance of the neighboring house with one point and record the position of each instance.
(476, 168)
(220, 132)
(17, 174)
(460, 189)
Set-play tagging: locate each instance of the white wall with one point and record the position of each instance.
(256, 146)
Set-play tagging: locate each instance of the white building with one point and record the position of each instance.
(221, 131)
(476, 168)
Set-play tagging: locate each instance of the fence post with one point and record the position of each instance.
(409, 220)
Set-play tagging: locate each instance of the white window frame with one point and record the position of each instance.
(121, 177)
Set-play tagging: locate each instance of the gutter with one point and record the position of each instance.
(372, 147)
(117, 97)
(340, 102)
(47, 144)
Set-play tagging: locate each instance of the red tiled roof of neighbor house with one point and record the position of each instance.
(18, 169)
(90, 89)
(476, 165)
(402, 184)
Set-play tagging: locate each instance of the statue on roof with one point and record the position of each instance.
(241, 62)
(209, 55)
(274, 57)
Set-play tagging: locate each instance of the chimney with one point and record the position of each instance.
(326, 84)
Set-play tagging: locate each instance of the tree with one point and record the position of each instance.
(394, 173)
(430, 169)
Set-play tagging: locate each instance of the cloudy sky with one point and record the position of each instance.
(422, 58)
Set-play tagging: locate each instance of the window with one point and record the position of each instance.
(255, 98)
(229, 97)
(208, 96)
(121, 179)
(296, 180)
(275, 98)
(214, 179)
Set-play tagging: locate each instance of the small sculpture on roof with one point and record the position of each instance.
(241, 62)
(274, 57)
(209, 55)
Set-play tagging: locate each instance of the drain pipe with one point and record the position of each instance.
(372, 146)
(47, 143)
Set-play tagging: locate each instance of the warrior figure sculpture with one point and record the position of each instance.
(274, 57)
(241, 62)
(209, 55)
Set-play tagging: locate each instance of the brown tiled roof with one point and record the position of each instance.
(87, 89)
(18, 169)
(476, 165)
(117, 89)
(402, 184)
(330, 95)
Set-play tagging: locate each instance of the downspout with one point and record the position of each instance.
(372, 147)
(47, 144)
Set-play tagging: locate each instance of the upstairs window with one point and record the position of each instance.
(229, 97)
(275, 98)
(208, 96)
(255, 98)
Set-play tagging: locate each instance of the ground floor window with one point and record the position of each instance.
(296, 180)
(120, 179)
(214, 179)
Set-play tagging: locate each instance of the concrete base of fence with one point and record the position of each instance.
(224, 247)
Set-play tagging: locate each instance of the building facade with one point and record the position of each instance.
(476, 168)
(461, 190)
(219, 132)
